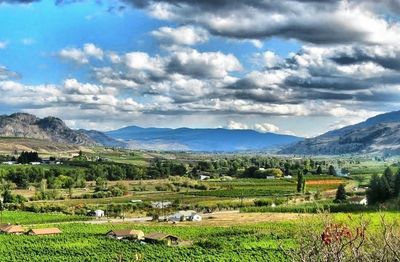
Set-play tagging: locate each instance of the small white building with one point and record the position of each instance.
(161, 204)
(99, 213)
(189, 215)
(203, 177)
(358, 200)
(9, 162)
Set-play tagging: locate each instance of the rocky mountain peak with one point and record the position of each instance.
(49, 128)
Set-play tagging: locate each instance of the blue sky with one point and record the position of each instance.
(278, 67)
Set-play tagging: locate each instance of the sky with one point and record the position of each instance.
(298, 67)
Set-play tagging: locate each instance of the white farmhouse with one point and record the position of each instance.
(203, 177)
(161, 204)
(99, 213)
(189, 215)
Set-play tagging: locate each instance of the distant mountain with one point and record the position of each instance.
(24, 125)
(102, 139)
(217, 140)
(378, 134)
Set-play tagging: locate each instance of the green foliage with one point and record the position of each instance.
(85, 242)
(340, 193)
(312, 208)
(29, 218)
(300, 182)
(28, 157)
(237, 193)
(383, 188)
(319, 170)
(332, 171)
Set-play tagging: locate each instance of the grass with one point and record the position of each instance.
(8, 145)
(82, 242)
(20, 217)
(242, 242)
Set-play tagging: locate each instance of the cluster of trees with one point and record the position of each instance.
(165, 168)
(7, 196)
(244, 166)
(58, 177)
(255, 172)
(28, 157)
(103, 190)
(114, 171)
(384, 187)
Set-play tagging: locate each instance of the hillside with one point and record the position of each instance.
(10, 145)
(102, 139)
(218, 139)
(379, 134)
(53, 129)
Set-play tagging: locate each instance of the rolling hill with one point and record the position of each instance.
(379, 134)
(10, 145)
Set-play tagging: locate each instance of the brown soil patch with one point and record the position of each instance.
(236, 218)
(325, 182)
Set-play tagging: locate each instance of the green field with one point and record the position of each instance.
(251, 242)
(27, 218)
(248, 214)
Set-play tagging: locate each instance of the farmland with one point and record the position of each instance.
(252, 241)
(253, 207)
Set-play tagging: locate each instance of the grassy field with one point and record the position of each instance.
(8, 145)
(252, 240)
(27, 218)
(244, 219)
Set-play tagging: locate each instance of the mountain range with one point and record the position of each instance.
(200, 139)
(379, 134)
(25, 125)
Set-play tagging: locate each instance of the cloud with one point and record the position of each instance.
(184, 35)
(236, 125)
(3, 44)
(259, 127)
(266, 127)
(332, 22)
(28, 41)
(203, 65)
(6, 74)
(82, 56)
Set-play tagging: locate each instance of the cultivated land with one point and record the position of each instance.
(254, 207)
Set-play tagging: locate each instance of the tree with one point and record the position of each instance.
(100, 184)
(300, 182)
(319, 170)
(332, 171)
(1, 211)
(378, 190)
(389, 181)
(27, 157)
(340, 193)
(396, 186)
